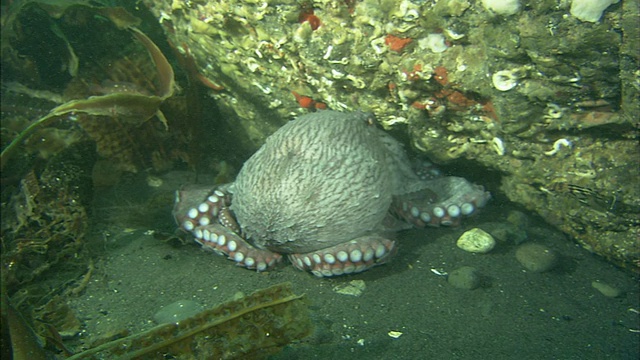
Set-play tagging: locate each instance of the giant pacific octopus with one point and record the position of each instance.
(324, 190)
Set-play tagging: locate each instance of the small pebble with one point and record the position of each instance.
(536, 257)
(606, 289)
(177, 311)
(465, 277)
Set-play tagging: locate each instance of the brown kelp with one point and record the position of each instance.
(133, 106)
(248, 328)
(71, 70)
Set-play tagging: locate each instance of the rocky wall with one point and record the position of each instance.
(532, 92)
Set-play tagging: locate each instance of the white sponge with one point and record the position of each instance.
(590, 10)
(502, 7)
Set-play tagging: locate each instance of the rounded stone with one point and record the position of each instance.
(536, 257)
(465, 278)
(476, 241)
(177, 311)
(606, 289)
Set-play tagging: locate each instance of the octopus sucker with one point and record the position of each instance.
(322, 191)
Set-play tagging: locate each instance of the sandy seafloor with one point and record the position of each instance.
(516, 314)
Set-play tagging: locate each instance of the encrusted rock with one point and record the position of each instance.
(374, 56)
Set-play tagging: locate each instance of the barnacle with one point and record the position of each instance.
(504, 80)
(498, 146)
(557, 145)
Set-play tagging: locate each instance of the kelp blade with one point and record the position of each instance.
(249, 328)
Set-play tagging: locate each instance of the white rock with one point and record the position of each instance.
(590, 10)
(476, 241)
(502, 7)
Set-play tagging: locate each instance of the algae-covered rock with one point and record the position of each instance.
(536, 257)
(465, 278)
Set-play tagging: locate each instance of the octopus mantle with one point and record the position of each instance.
(323, 190)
